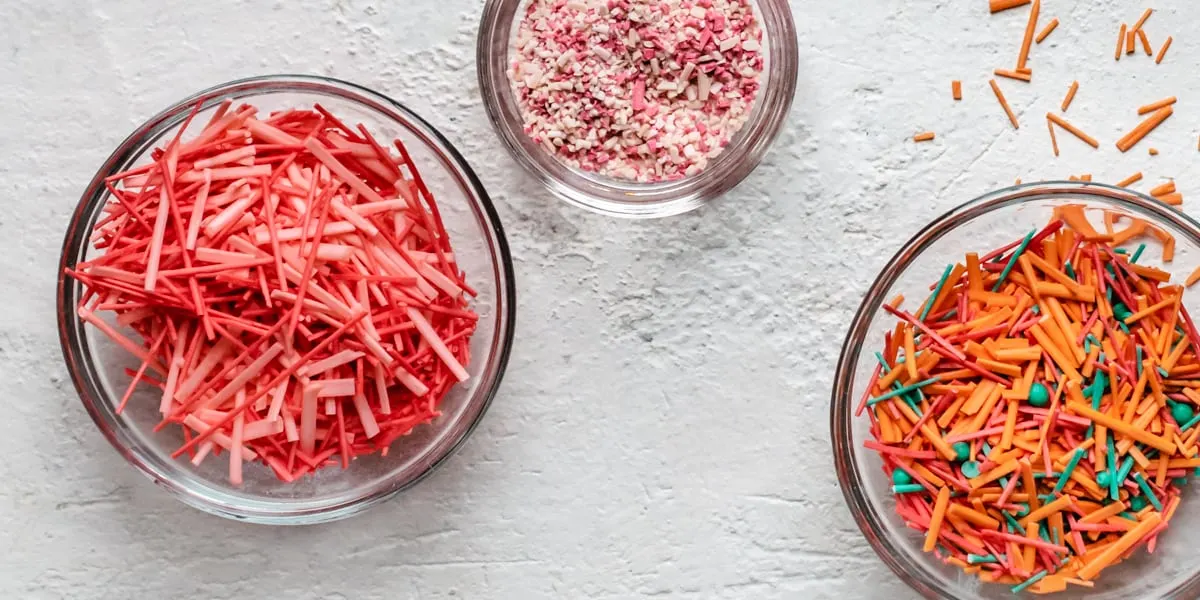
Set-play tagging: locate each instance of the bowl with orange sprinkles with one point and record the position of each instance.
(1016, 410)
(285, 299)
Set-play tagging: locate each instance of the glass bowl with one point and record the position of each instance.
(632, 199)
(1173, 571)
(97, 366)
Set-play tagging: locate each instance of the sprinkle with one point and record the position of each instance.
(1012, 118)
(956, 89)
(1163, 51)
(1145, 127)
(1120, 42)
(1070, 95)
(999, 5)
(923, 137)
(1061, 122)
(1047, 29)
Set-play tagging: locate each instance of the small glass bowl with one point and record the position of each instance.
(1173, 571)
(97, 365)
(622, 198)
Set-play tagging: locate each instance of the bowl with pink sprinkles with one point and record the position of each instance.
(637, 108)
(286, 299)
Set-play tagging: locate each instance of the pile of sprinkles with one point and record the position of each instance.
(1037, 414)
(294, 289)
(637, 90)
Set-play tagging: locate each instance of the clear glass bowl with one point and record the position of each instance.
(632, 199)
(1173, 571)
(96, 365)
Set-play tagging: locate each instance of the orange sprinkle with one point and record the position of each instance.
(1132, 179)
(1173, 199)
(1142, 20)
(1053, 137)
(1145, 127)
(1130, 42)
(1120, 42)
(1012, 118)
(1051, 26)
(1153, 106)
(999, 5)
(1073, 130)
(935, 522)
(1030, 28)
(956, 89)
(923, 137)
(1070, 95)
(1153, 151)
(1019, 76)
(1145, 42)
(1193, 278)
(1163, 51)
(1163, 189)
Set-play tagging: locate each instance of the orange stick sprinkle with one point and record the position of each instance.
(1145, 42)
(1120, 42)
(1132, 179)
(1163, 189)
(923, 137)
(1019, 76)
(1153, 106)
(1050, 27)
(1012, 118)
(1131, 139)
(1142, 20)
(1030, 27)
(1053, 137)
(999, 5)
(1070, 95)
(1163, 51)
(1130, 42)
(1073, 130)
(956, 89)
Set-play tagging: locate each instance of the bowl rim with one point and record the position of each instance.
(635, 200)
(841, 418)
(130, 148)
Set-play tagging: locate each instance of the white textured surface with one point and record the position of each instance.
(663, 426)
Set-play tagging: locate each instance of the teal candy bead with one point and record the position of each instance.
(962, 451)
(901, 477)
(1182, 412)
(1121, 311)
(1104, 478)
(971, 469)
(1039, 395)
(1138, 503)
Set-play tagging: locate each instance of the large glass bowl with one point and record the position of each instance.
(97, 365)
(1173, 571)
(632, 199)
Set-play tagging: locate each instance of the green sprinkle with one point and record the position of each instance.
(1141, 481)
(1137, 503)
(1103, 478)
(1163, 372)
(1013, 261)
(1123, 474)
(1039, 395)
(903, 390)
(975, 559)
(1139, 361)
(901, 477)
(1022, 509)
(1066, 474)
(1070, 270)
(1087, 344)
(908, 488)
(971, 469)
(937, 290)
(1037, 310)
(1137, 254)
(1182, 413)
(1180, 481)
(1121, 251)
(1013, 522)
(1191, 424)
(1113, 484)
(1020, 587)
(962, 451)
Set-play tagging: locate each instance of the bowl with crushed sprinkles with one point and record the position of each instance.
(285, 299)
(637, 108)
(1015, 410)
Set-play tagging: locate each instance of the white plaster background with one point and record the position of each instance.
(663, 428)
